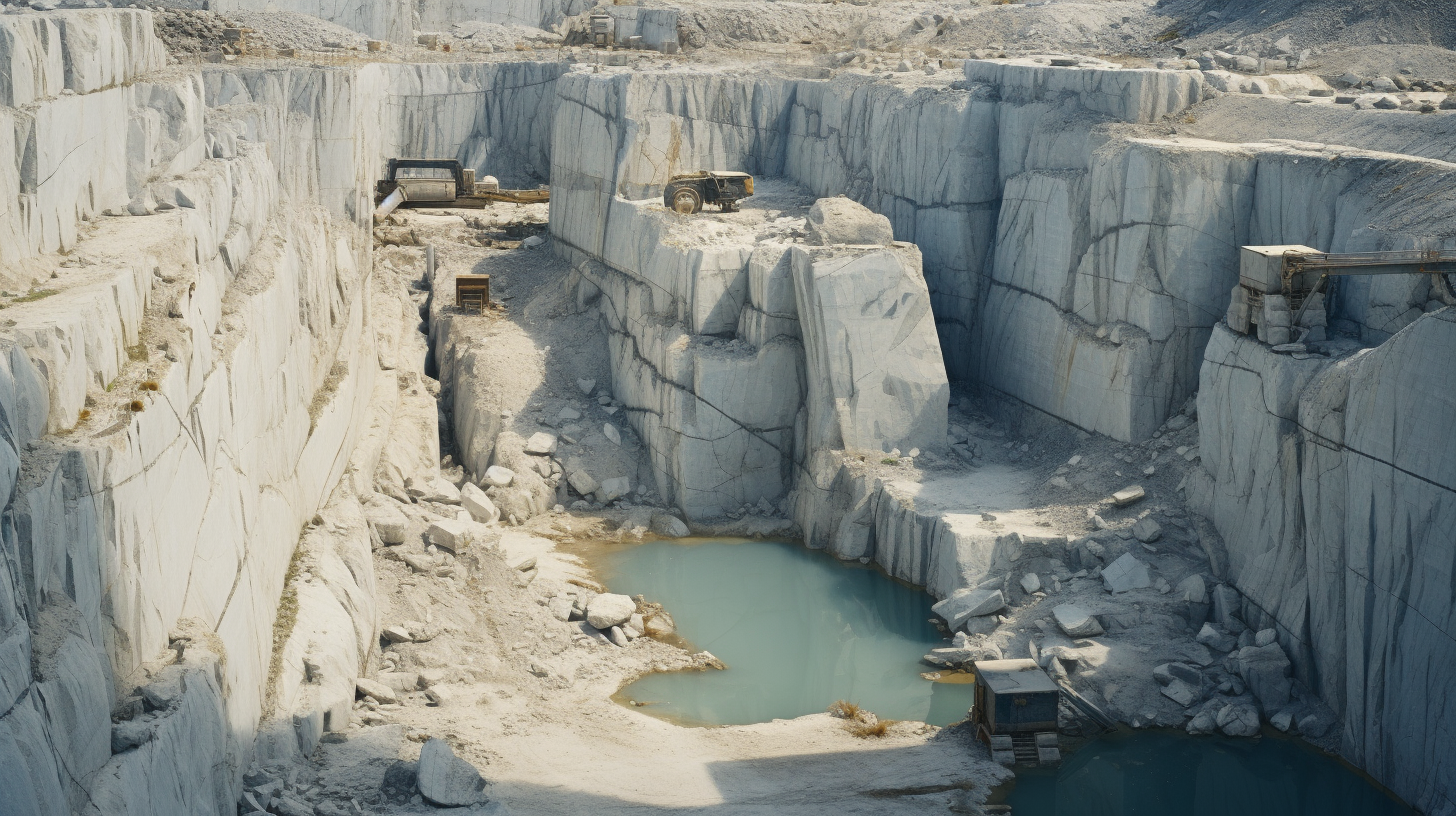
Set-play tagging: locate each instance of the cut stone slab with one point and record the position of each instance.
(498, 476)
(1076, 621)
(396, 634)
(1129, 495)
(541, 444)
(479, 505)
(607, 610)
(446, 780)
(1126, 574)
(449, 534)
(1147, 531)
(365, 687)
(969, 603)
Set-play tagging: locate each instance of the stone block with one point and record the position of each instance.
(541, 444)
(969, 603)
(840, 220)
(446, 780)
(1126, 574)
(1129, 496)
(450, 534)
(479, 505)
(1076, 621)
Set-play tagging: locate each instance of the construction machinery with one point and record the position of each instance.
(443, 183)
(1280, 296)
(1015, 711)
(686, 193)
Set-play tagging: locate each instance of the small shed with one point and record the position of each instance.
(1014, 696)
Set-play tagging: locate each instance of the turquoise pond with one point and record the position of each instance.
(797, 629)
(1151, 773)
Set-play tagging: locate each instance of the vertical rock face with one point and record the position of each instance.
(874, 371)
(390, 20)
(1332, 485)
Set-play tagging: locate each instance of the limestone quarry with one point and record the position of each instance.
(1122, 332)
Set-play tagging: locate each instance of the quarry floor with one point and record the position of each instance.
(525, 697)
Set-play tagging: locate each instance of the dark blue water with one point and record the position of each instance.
(1162, 774)
(797, 629)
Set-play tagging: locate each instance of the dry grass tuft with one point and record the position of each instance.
(137, 406)
(151, 385)
(84, 415)
(844, 710)
(878, 728)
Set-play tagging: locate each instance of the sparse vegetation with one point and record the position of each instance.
(84, 415)
(137, 406)
(844, 710)
(34, 295)
(151, 385)
(889, 461)
(878, 728)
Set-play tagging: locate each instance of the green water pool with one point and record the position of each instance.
(797, 629)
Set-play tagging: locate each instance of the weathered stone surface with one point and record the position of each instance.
(1076, 621)
(607, 610)
(1125, 574)
(614, 488)
(1214, 639)
(1184, 694)
(446, 780)
(1266, 670)
(541, 444)
(1238, 720)
(498, 476)
(450, 534)
(840, 220)
(669, 526)
(969, 603)
(389, 521)
(1147, 531)
(479, 505)
(379, 691)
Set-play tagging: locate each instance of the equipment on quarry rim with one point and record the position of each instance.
(686, 193)
(1280, 291)
(472, 292)
(443, 183)
(1015, 711)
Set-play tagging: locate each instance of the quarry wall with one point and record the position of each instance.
(219, 251)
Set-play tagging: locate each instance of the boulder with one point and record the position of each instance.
(1266, 671)
(611, 433)
(1264, 637)
(396, 634)
(1184, 694)
(1030, 582)
(388, 521)
(1214, 639)
(607, 610)
(586, 386)
(382, 693)
(497, 476)
(582, 482)
(479, 505)
(1168, 672)
(613, 489)
(669, 526)
(1238, 720)
(1076, 621)
(1147, 531)
(541, 444)
(617, 636)
(1282, 720)
(1125, 574)
(1193, 589)
(1226, 606)
(660, 625)
(560, 608)
(1204, 722)
(446, 780)
(449, 534)
(129, 734)
(968, 603)
(840, 220)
